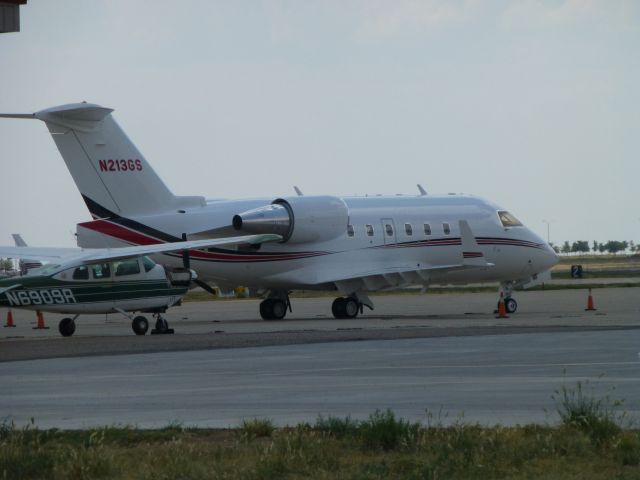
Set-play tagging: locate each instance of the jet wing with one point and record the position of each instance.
(385, 276)
(92, 255)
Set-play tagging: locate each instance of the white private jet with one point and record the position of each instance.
(352, 245)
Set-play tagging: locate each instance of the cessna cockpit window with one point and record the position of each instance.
(126, 267)
(148, 264)
(508, 220)
(101, 271)
(81, 273)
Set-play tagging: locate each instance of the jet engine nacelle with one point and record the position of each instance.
(298, 219)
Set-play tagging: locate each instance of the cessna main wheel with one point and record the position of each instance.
(140, 325)
(66, 327)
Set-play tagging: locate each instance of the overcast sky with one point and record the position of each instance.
(532, 104)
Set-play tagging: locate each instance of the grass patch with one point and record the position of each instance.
(383, 446)
(589, 443)
(257, 428)
(597, 417)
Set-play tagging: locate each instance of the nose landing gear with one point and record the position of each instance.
(162, 326)
(510, 303)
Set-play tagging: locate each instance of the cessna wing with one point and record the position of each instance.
(85, 256)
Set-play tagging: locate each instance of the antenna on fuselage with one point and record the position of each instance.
(423, 192)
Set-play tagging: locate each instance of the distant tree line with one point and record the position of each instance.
(582, 246)
(6, 264)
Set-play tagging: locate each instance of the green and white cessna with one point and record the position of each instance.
(111, 280)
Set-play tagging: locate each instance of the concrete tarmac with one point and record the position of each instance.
(490, 379)
(235, 323)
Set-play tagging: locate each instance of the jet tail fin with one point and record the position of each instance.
(112, 175)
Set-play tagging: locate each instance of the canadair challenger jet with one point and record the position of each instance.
(351, 245)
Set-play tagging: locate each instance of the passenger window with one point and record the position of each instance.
(126, 267)
(446, 228)
(81, 273)
(408, 229)
(369, 230)
(101, 271)
(350, 231)
(427, 229)
(389, 229)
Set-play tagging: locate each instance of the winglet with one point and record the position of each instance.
(423, 192)
(298, 191)
(471, 253)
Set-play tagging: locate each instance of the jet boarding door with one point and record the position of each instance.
(389, 231)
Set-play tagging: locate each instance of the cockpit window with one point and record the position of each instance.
(508, 220)
(148, 264)
(81, 273)
(126, 267)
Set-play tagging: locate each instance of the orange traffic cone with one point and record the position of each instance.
(9, 319)
(40, 325)
(590, 306)
(502, 309)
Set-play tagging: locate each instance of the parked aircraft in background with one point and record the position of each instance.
(27, 263)
(351, 245)
(107, 281)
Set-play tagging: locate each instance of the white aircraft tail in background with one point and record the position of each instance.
(25, 263)
(351, 245)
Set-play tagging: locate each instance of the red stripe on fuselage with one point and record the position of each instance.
(121, 233)
(136, 238)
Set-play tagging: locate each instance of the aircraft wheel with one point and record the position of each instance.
(265, 309)
(337, 307)
(350, 307)
(140, 325)
(66, 327)
(510, 305)
(278, 309)
(273, 309)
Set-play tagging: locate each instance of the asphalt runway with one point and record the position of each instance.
(504, 379)
(443, 352)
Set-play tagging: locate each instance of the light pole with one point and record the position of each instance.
(548, 222)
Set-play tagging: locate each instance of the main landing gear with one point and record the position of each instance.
(67, 326)
(275, 306)
(350, 306)
(346, 307)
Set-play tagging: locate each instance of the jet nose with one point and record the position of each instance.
(551, 257)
